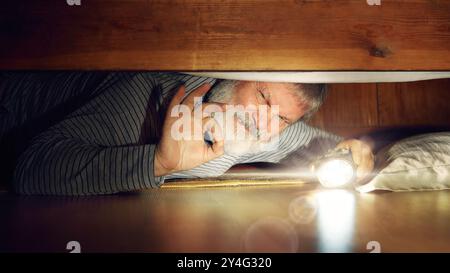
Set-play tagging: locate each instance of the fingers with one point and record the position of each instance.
(189, 100)
(178, 98)
(354, 146)
(199, 92)
(169, 118)
(344, 144)
(362, 156)
(356, 149)
(217, 147)
(211, 125)
(366, 165)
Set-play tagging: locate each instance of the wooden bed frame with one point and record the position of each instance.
(250, 35)
(241, 35)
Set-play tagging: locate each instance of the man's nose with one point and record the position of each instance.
(260, 119)
(267, 122)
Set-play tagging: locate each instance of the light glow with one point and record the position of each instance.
(336, 210)
(335, 173)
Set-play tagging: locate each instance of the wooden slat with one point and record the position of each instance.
(352, 132)
(225, 35)
(356, 109)
(416, 103)
(348, 106)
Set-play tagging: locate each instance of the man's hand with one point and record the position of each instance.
(362, 156)
(177, 155)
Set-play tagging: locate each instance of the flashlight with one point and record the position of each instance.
(335, 169)
(207, 135)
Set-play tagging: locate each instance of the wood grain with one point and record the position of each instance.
(225, 35)
(348, 105)
(229, 219)
(358, 109)
(418, 103)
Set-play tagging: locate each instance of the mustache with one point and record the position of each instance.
(249, 123)
(248, 120)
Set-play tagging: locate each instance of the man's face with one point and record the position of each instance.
(269, 108)
(268, 94)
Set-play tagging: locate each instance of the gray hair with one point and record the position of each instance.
(310, 93)
(313, 94)
(221, 91)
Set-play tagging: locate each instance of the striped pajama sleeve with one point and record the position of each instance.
(60, 166)
(107, 145)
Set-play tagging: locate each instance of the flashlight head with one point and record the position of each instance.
(335, 169)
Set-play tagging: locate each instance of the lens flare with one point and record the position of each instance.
(302, 210)
(271, 234)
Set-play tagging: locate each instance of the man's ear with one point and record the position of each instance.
(306, 116)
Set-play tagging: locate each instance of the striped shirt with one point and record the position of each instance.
(100, 131)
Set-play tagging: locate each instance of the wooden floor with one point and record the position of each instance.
(276, 218)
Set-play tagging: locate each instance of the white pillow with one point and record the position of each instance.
(417, 163)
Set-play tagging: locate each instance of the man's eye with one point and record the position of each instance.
(264, 97)
(283, 119)
(262, 94)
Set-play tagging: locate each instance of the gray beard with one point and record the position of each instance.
(222, 93)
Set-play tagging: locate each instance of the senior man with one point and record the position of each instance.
(91, 133)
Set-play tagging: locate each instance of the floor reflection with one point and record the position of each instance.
(229, 219)
(335, 225)
(271, 234)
